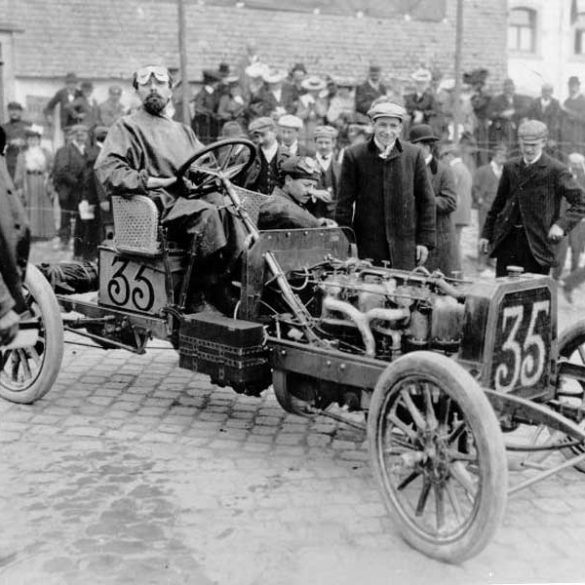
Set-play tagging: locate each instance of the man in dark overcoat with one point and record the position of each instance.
(445, 255)
(525, 221)
(387, 181)
(371, 89)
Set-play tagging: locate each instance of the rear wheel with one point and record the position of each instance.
(571, 391)
(28, 373)
(438, 456)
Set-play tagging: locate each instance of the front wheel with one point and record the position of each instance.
(438, 456)
(570, 390)
(28, 373)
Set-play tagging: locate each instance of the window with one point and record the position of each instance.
(522, 30)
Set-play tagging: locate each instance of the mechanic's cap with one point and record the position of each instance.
(290, 121)
(325, 132)
(387, 110)
(301, 167)
(532, 130)
(261, 124)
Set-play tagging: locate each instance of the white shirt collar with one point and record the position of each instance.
(384, 151)
(324, 163)
(496, 168)
(529, 164)
(455, 161)
(270, 152)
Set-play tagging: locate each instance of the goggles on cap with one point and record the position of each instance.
(145, 73)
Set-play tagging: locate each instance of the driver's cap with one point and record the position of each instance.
(301, 167)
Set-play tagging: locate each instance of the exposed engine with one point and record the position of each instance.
(382, 312)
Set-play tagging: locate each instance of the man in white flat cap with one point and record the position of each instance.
(385, 194)
(289, 127)
(525, 220)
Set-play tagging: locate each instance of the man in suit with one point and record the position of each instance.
(325, 194)
(525, 220)
(368, 91)
(547, 109)
(443, 256)
(68, 175)
(15, 130)
(385, 194)
(64, 98)
(421, 104)
(289, 127)
(505, 112)
(573, 119)
(205, 122)
(263, 174)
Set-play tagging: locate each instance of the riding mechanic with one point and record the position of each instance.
(141, 156)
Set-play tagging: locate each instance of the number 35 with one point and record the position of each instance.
(528, 358)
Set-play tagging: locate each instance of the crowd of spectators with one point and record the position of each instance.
(297, 113)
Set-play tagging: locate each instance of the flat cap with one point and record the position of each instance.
(261, 124)
(325, 132)
(290, 121)
(301, 167)
(78, 128)
(387, 110)
(532, 130)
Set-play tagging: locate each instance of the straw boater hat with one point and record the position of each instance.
(313, 83)
(274, 76)
(422, 75)
(256, 70)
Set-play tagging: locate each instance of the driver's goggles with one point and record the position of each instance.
(160, 74)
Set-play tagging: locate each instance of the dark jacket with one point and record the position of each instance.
(551, 116)
(14, 245)
(394, 202)
(329, 181)
(68, 173)
(531, 196)
(444, 256)
(365, 94)
(504, 129)
(573, 124)
(62, 97)
(280, 211)
(263, 176)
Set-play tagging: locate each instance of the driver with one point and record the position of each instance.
(141, 156)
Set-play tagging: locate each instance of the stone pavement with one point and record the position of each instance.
(133, 471)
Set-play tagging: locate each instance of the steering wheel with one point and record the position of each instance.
(225, 159)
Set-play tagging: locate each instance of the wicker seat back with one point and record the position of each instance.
(136, 222)
(251, 202)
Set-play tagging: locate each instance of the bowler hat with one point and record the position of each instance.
(224, 70)
(422, 133)
(574, 80)
(387, 110)
(100, 132)
(14, 106)
(301, 167)
(210, 76)
(71, 78)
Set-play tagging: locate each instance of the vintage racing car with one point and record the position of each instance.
(439, 367)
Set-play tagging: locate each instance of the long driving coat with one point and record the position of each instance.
(394, 202)
(532, 196)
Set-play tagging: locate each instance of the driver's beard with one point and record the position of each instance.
(154, 103)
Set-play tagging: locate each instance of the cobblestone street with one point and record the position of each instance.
(132, 470)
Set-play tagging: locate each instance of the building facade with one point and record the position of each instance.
(546, 43)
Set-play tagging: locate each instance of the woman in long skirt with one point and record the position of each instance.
(32, 179)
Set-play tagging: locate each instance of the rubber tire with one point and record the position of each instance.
(281, 382)
(50, 315)
(570, 339)
(481, 419)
